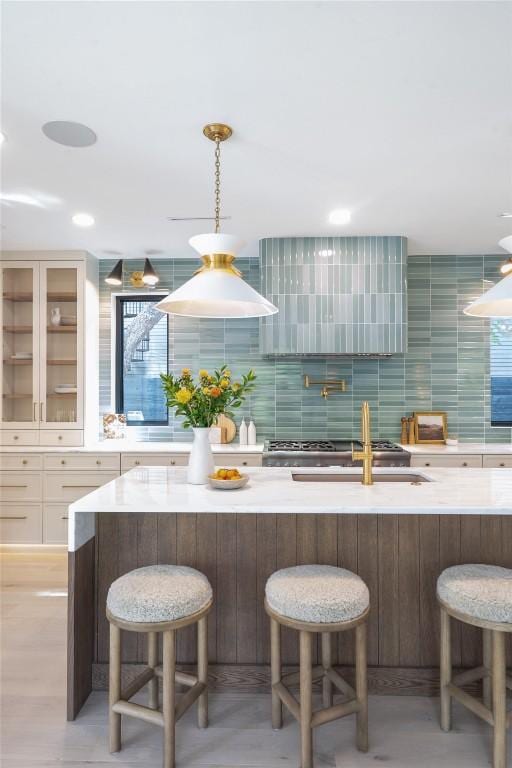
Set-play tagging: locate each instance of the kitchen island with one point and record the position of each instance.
(397, 536)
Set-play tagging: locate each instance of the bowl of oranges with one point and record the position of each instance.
(228, 479)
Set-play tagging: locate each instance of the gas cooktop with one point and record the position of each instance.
(322, 453)
(326, 446)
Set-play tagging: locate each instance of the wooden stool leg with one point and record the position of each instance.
(487, 683)
(326, 663)
(499, 695)
(202, 671)
(361, 688)
(445, 671)
(168, 697)
(275, 672)
(306, 700)
(114, 688)
(153, 662)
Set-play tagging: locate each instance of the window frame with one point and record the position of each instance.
(494, 422)
(117, 394)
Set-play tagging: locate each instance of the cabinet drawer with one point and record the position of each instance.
(21, 524)
(497, 461)
(77, 461)
(70, 486)
(446, 461)
(55, 523)
(19, 437)
(237, 459)
(25, 461)
(20, 486)
(129, 461)
(63, 437)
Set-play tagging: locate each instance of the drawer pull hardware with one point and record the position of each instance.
(464, 463)
(15, 437)
(244, 463)
(24, 461)
(63, 461)
(98, 462)
(502, 464)
(427, 463)
(13, 517)
(64, 517)
(173, 462)
(80, 486)
(40, 411)
(13, 486)
(136, 463)
(35, 411)
(59, 437)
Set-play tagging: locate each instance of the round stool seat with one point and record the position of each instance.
(158, 593)
(481, 591)
(320, 594)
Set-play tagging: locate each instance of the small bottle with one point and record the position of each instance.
(251, 433)
(242, 433)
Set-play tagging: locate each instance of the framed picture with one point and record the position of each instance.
(430, 427)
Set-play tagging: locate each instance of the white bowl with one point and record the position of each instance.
(228, 485)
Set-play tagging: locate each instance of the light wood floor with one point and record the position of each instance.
(403, 730)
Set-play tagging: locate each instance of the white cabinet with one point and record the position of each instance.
(129, 461)
(41, 338)
(21, 523)
(445, 461)
(497, 461)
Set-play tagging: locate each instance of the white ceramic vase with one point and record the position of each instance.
(200, 463)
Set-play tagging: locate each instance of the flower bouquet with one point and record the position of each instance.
(200, 402)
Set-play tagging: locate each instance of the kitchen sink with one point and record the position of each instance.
(355, 477)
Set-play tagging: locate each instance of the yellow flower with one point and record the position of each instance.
(215, 391)
(183, 396)
(211, 378)
(224, 383)
(227, 374)
(206, 391)
(236, 386)
(203, 374)
(186, 373)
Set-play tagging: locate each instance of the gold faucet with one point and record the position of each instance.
(366, 455)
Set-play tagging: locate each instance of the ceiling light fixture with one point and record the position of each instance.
(216, 289)
(149, 276)
(115, 276)
(3, 137)
(506, 267)
(505, 215)
(83, 220)
(340, 217)
(497, 301)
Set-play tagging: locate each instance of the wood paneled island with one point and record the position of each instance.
(397, 536)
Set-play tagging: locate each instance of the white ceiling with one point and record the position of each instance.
(399, 111)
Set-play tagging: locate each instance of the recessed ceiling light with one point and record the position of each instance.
(83, 220)
(505, 215)
(339, 216)
(69, 134)
(3, 137)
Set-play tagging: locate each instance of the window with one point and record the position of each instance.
(141, 353)
(501, 373)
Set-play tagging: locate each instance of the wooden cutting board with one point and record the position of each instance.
(228, 426)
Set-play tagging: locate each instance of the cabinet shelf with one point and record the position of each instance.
(51, 296)
(61, 329)
(17, 396)
(18, 362)
(17, 328)
(61, 362)
(54, 395)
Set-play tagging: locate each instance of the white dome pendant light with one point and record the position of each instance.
(497, 301)
(216, 289)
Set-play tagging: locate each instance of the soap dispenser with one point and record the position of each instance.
(242, 433)
(251, 433)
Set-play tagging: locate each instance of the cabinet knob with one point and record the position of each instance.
(502, 464)
(24, 461)
(427, 463)
(173, 462)
(136, 463)
(15, 437)
(98, 462)
(59, 437)
(244, 463)
(63, 461)
(464, 463)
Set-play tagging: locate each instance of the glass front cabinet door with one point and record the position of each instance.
(61, 346)
(41, 327)
(19, 317)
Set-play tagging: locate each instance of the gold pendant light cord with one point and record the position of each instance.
(217, 185)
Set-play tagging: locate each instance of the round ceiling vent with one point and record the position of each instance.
(69, 134)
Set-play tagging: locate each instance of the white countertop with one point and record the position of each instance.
(130, 446)
(462, 449)
(272, 490)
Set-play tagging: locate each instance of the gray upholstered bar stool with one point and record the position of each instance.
(480, 595)
(318, 599)
(154, 599)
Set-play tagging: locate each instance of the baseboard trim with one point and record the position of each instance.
(384, 681)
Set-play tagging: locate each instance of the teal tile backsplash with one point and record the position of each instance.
(446, 366)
